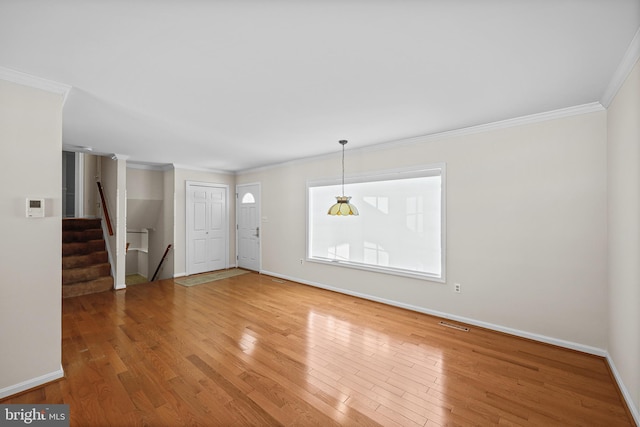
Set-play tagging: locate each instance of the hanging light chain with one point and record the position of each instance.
(342, 205)
(343, 168)
(343, 142)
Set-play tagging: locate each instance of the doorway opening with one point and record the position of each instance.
(72, 184)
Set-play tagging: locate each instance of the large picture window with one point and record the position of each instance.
(400, 229)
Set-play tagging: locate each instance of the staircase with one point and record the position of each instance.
(85, 262)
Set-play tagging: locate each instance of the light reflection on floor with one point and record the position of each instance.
(349, 357)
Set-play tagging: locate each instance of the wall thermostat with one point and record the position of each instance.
(35, 208)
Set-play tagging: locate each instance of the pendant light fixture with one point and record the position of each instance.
(343, 207)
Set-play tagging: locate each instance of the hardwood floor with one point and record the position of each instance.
(250, 350)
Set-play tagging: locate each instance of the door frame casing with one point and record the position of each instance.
(259, 222)
(79, 199)
(188, 211)
(78, 183)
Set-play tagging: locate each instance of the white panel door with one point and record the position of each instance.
(248, 225)
(199, 229)
(217, 228)
(206, 228)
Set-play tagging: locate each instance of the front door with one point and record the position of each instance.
(207, 235)
(248, 220)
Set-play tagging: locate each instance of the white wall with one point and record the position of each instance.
(145, 184)
(145, 192)
(132, 263)
(526, 227)
(164, 235)
(145, 202)
(114, 183)
(91, 197)
(181, 176)
(30, 298)
(623, 124)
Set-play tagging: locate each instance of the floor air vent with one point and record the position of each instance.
(277, 280)
(453, 326)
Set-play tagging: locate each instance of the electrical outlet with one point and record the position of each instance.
(301, 261)
(457, 288)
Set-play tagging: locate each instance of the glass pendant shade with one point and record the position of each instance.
(343, 207)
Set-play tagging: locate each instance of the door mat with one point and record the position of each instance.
(135, 279)
(209, 277)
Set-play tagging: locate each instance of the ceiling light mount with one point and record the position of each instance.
(342, 207)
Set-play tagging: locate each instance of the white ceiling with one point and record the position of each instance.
(237, 84)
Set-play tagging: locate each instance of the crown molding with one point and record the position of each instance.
(77, 148)
(35, 82)
(626, 65)
(502, 124)
(149, 166)
(560, 113)
(201, 169)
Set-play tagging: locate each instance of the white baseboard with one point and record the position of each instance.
(524, 334)
(635, 412)
(176, 275)
(32, 383)
(536, 337)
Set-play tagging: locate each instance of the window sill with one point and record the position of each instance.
(376, 269)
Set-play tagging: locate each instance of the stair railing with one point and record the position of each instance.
(166, 252)
(104, 209)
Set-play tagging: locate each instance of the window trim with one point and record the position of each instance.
(386, 175)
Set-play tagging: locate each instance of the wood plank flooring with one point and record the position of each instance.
(249, 350)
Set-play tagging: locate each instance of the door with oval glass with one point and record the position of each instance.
(248, 226)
